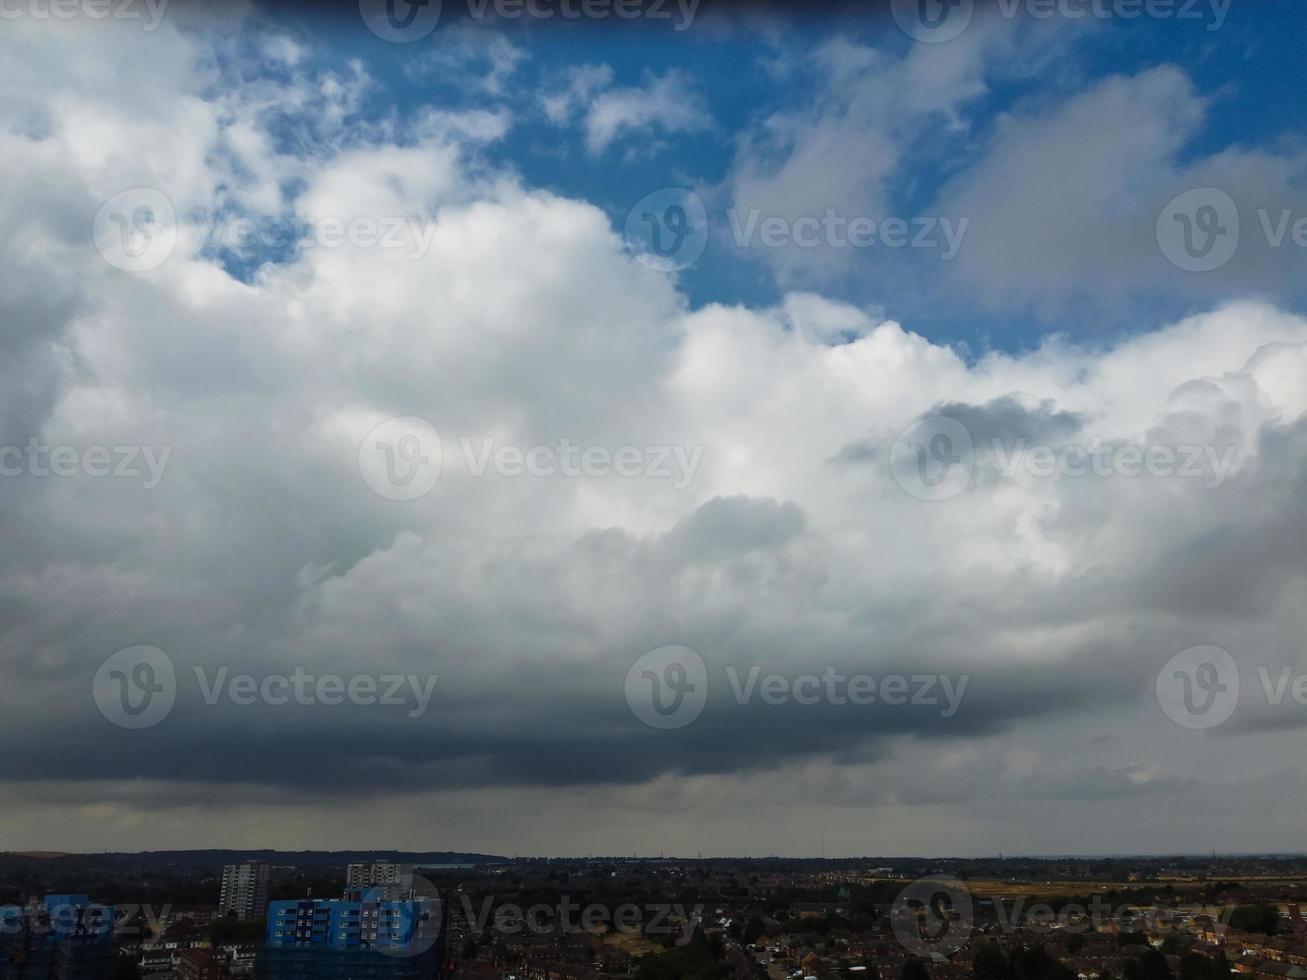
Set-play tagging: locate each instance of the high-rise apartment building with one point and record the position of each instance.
(358, 936)
(379, 874)
(245, 890)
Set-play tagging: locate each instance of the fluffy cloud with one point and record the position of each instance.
(664, 104)
(793, 545)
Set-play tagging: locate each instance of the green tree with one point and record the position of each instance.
(1256, 918)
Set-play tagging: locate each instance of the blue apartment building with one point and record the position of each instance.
(64, 937)
(364, 935)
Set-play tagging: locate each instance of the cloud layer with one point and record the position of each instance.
(512, 316)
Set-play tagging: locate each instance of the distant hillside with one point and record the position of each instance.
(199, 860)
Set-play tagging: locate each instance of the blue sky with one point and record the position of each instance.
(747, 67)
(1113, 225)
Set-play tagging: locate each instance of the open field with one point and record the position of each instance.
(633, 944)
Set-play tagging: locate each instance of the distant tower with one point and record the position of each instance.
(245, 890)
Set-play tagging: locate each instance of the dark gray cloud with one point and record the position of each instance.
(263, 549)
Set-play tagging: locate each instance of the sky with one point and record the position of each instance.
(717, 430)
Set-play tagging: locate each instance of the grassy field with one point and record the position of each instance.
(633, 944)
